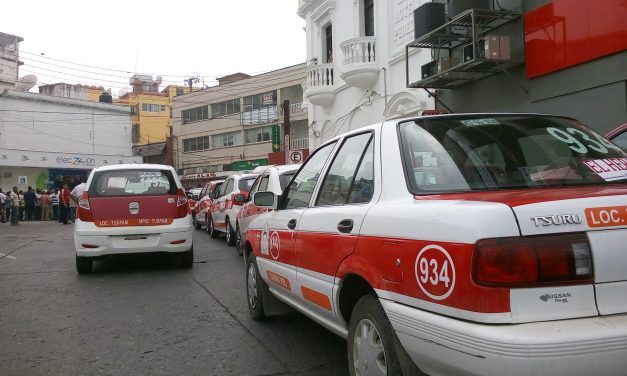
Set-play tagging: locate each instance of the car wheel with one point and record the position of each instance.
(210, 229)
(239, 242)
(187, 258)
(84, 265)
(230, 234)
(371, 340)
(197, 224)
(254, 284)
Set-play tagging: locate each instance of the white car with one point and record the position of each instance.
(132, 208)
(273, 179)
(476, 244)
(223, 210)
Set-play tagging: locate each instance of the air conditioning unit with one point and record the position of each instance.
(456, 7)
(428, 17)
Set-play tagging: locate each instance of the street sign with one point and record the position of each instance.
(22, 180)
(295, 156)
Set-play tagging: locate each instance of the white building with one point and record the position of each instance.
(46, 140)
(356, 64)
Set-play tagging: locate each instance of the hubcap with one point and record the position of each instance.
(368, 351)
(252, 286)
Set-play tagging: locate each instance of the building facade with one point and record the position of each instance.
(560, 57)
(47, 141)
(356, 64)
(239, 124)
(82, 92)
(9, 59)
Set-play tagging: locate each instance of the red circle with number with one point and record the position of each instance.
(435, 272)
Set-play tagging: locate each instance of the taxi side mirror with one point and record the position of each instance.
(239, 199)
(190, 196)
(265, 199)
(196, 197)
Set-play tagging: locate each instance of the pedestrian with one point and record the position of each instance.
(71, 215)
(22, 212)
(64, 204)
(54, 200)
(46, 210)
(7, 206)
(76, 194)
(3, 199)
(37, 212)
(15, 206)
(30, 200)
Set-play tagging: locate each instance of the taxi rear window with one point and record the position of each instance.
(246, 184)
(475, 153)
(132, 183)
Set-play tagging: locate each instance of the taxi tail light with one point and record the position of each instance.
(84, 210)
(182, 207)
(533, 261)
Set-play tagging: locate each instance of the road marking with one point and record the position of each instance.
(9, 256)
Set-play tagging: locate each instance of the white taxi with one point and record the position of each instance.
(477, 244)
(223, 210)
(132, 208)
(273, 179)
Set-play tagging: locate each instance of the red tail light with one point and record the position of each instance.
(182, 207)
(533, 261)
(84, 210)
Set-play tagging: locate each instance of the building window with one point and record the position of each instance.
(151, 107)
(328, 38)
(255, 135)
(253, 102)
(196, 143)
(225, 108)
(135, 110)
(369, 18)
(195, 114)
(223, 140)
(180, 91)
(135, 133)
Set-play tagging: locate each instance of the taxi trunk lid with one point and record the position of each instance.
(125, 211)
(600, 213)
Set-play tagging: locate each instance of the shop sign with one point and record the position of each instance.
(248, 165)
(205, 175)
(276, 138)
(267, 99)
(19, 158)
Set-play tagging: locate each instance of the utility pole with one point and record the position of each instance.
(286, 128)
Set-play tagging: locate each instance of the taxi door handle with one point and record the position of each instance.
(291, 224)
(345, 226)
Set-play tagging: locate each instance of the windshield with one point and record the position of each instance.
(506, 152)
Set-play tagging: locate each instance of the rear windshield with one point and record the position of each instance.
(132, 183)
(246, 184)
(506, 152)
(284, 179)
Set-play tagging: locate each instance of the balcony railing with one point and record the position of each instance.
(358, 50)
(320, 75)
(295, 109)
(259, 116)
(299, 143)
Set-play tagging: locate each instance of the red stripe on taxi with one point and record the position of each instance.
(279, 280)
(316, 297)
(133, 222)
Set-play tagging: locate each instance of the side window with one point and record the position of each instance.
(203, 192)
(363, 184)
(339, 181)
(255, 186)
(225, 187)
(301, 189)
(263, 186)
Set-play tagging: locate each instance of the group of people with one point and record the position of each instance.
(56, 204)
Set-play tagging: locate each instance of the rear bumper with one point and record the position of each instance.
(444, 346)
(91, 241)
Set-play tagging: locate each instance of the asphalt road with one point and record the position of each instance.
(143, 315)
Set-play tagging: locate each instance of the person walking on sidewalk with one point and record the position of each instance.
(30, 200)
(76, 194)
(15, 206)
(54, 199)
(64, 204)
(3, 199)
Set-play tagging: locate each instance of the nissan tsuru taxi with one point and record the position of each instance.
(475, 244)
(132, 208)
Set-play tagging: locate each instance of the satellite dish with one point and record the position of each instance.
(26, 83)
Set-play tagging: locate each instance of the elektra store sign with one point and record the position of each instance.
(26, 158)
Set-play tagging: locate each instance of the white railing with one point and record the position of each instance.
(358, 50)
(299, 143)
(320, 75)
(295, 109)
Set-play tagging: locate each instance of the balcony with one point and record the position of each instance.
(360, 65)
(299, 143)
(296, 109)
(320, 85)
(262, 115)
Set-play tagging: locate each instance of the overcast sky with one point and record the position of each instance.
(174, 39)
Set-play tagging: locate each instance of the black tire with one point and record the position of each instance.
(230, 234)
(187, 258)
(210, 229)
(254, 286)
(239, 242)
(84, 265)
(377, 348)
(197, 225)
